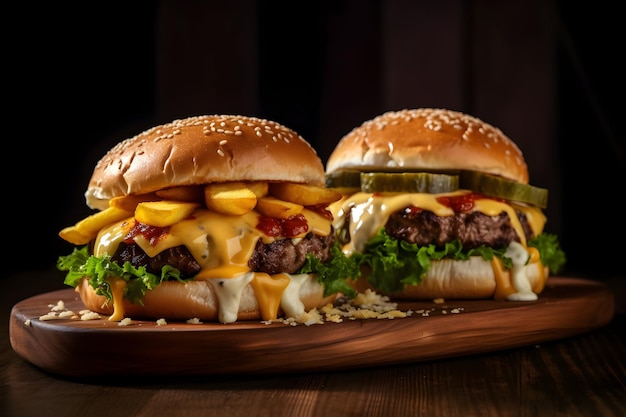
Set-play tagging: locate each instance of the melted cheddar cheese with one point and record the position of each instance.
(222, 245)
(367, 213)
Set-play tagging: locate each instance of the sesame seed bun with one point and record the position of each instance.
(428, 139)
(201, 150)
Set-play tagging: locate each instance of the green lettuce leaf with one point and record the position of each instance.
(550, 251)
(80, 264)
(394, 263)
(333, 274)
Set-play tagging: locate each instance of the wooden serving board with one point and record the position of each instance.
(96, 348)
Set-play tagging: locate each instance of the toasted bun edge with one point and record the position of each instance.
(173, 300)
(455, 279)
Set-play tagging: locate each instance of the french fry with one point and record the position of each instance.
(87, 229)
(259, 188)
(74, 236)
(274, 207)
(306, 195)
(232, 198)
(129, 202)
(190, 193)
(163, 213)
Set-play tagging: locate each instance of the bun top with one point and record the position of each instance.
(201, 150)
(428, 139)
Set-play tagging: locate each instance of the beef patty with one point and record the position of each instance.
(287, 255)
(472, 229)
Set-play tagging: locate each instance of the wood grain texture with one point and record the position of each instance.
(74, 348)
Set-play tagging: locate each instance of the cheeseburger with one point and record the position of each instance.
(437, 203)
(219, 218)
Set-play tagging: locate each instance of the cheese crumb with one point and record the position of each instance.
(90, 316)
(48, 316)
(60, 306)
(59, 311)
(310, 318)
(67, 313)
(367, 305)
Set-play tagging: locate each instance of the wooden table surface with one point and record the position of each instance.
(582, 375)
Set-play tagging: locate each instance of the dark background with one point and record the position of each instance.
(79, 79)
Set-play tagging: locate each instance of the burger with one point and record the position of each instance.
(437, 204)
(219, 218)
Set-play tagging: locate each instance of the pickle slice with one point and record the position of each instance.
(344, 179)
(408, 182)
(494, 186)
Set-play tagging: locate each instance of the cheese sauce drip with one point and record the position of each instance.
(222, 245)
(368, 213)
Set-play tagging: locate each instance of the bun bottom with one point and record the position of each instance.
(453, 279)
(173, 300)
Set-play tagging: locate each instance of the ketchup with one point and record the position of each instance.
(322, 210)
(152, 234)
(411, 211)
(463, 202)
(291, 227)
